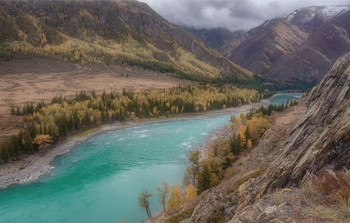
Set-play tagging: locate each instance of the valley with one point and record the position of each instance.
(174, 111)
(123, 168)
(41, 79)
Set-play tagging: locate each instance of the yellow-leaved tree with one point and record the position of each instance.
(191, 192)
(249, 144)
(176, 198)
(43, 141)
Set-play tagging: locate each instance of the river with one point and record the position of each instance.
(100, 179)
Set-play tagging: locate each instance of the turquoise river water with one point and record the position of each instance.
(100, 179)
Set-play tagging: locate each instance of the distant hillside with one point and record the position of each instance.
(301, 46)
(317, 54)
(220, 39)
(108, 32)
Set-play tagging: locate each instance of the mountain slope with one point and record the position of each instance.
(301, 46)
(267, 43)
(317, 55)
(220, 39)
(309, 173)
(107, 32)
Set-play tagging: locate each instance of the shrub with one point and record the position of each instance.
(248, 177)
(346, 135)
(327, 184)
(217, 216)
(335, 186)
(180, 217)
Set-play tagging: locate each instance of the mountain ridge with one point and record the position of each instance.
(108, 32)
(302, 178)
(301, 46)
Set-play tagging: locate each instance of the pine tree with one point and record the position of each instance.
(18, 113)
(239, 142)
(193, 161)
(247, 134)
(5, 156)
(234, 145)
(204, 178)
(269, 110)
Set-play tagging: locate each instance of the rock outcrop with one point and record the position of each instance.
(319, 142)
(320, 139)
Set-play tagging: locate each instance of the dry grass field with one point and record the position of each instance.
(40, 79)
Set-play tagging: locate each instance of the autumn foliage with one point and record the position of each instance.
(42, 141)
(176, 198)
(191, 192)
(66, 116)
(247, 129)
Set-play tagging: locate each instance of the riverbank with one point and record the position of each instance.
(34, 166)
(248, 162)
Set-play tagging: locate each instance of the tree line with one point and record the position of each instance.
(64, 116)
(247, 130)
(203, 173)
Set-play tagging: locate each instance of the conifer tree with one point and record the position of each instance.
(204, 178)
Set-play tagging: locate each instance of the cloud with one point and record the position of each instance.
(232, 14)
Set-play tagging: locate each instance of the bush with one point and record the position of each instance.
(180, 217)
(346, 134)
(217, 216)
(334, 186)
(250, 176)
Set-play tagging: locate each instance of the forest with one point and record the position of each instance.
(202, 173)
(47, 123)
(246, 131)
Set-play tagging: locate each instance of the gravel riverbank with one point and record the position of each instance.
(33, 166)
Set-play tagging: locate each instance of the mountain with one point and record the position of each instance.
(301, 46)
(107, 32)
(307, 177)
(220, 39)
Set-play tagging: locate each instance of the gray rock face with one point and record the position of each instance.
(319, 141)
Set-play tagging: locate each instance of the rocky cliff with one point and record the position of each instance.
(319, 143)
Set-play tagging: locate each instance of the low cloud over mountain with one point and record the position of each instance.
(232, 14)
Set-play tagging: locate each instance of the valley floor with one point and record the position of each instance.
(41, 79)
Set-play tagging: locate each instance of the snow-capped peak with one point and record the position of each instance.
(327, 12)
(331, 11)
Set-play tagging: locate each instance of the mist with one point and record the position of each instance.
(231, 14)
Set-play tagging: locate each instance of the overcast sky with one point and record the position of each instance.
(232, 14)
